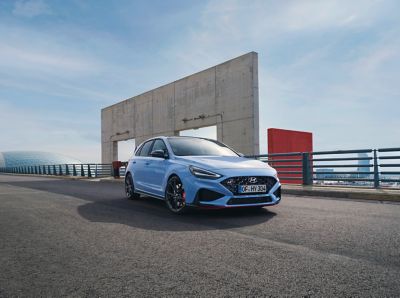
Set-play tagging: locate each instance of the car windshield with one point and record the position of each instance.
(195, 146)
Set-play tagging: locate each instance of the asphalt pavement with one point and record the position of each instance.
(84, 239)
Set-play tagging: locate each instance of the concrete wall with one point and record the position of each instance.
(225, 95)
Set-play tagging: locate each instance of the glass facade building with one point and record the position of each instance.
(34, 158)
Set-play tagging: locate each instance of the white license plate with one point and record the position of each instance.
(252, 188)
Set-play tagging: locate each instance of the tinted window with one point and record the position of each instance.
(193, 146)
(159, 145)
(145, 150)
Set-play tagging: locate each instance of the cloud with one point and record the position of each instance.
(27, 49)
(324, 66)
(227, 28)
(55, 65)
(22, 57)
(26, 129)
(31, 8)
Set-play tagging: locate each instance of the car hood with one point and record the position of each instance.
(224, 162)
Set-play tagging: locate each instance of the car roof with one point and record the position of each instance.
(167, 137)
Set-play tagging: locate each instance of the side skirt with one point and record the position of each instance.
(149, 194)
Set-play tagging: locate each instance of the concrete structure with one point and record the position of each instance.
(225, 95)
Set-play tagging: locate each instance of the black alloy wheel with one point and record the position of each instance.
(129, 188)
(175, 195)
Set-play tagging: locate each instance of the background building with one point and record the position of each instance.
(325, 174)
(33, 158)
(364, 166)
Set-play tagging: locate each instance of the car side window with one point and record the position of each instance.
(137, 152)
(145, 150)
(159, 145)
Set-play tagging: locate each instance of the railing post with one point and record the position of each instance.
(307, 178)
(66, 170)
(88, 171)
(82, 171)
(376, 170)
(74, 170)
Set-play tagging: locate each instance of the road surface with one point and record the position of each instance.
(82, 238)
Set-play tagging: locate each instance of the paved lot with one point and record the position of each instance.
(82, 238)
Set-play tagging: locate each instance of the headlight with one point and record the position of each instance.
(276, 176)
(201, 173)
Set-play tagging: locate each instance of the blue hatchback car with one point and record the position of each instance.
(199, 172)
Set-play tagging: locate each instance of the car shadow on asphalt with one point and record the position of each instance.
(106, 203)
(152, 214)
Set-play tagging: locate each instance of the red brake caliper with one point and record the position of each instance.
(184, 197)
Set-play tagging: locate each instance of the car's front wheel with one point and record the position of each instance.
(175, 195)
(130, 188)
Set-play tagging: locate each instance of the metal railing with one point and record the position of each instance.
(365, 167)
(288, 165)
(91, 170)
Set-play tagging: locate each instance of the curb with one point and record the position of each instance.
(378, 195)
(61, 177)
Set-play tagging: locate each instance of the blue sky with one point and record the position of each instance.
(330, 67)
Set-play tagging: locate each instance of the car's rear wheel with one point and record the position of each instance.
(130, 188)
(175, 195)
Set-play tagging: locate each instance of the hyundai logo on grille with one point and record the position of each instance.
(253, 180)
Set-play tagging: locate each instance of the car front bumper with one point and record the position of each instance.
(209, 193)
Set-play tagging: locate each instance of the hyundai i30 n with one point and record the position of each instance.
(198, 172)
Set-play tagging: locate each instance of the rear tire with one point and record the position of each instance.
(130, 188)
(175, 195)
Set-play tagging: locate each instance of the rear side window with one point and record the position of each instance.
(145, 150)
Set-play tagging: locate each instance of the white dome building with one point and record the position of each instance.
(33, 158)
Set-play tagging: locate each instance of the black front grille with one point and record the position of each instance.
(253, 200)
(233, 182)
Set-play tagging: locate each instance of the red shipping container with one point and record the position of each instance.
(286, 141)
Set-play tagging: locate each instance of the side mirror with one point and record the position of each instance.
(159, 154)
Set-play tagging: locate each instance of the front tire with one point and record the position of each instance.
(130, 188)
(175, 195)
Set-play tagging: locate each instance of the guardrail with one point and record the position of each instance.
(365, 167)
(91, 170)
